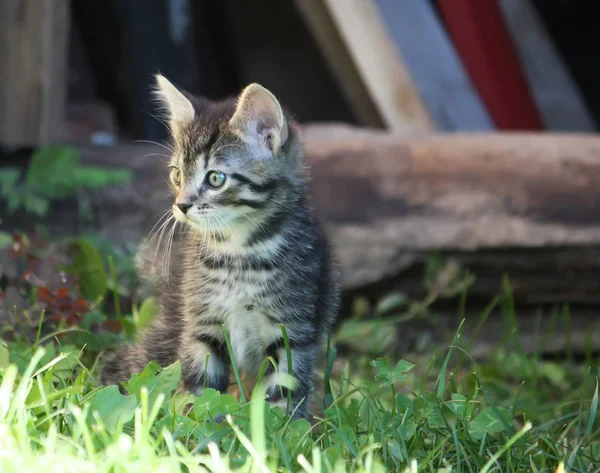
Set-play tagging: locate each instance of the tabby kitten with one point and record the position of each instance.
(253, 255)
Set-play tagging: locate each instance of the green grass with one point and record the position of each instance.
(435, 410)
(385, 417)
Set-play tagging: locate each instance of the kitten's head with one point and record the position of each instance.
(235, 162)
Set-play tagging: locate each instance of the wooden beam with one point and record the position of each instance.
(366, 64)
(555, 92)
(33, 55)
(435, 66)
(481, 38)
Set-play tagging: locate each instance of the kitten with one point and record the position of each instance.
(253, 255)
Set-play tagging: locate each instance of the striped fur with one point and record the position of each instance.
(250, 256)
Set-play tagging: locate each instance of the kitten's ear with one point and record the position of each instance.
(260, 121)
(178, 107)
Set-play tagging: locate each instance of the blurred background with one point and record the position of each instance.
(83, 68)
(453, 148)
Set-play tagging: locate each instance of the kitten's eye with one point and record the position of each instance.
(176, 176)
(215, 179)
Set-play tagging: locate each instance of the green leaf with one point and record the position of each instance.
(403, 403)
(369, 336)
(35, 205)
(391, 302)
(555, 373)
(146, 313)
(211, 403)
(593, 412)
(4, 355)
(460, 406)
(96, 178)
(229, 404)
(488, 422)
(5, 239)
(51, 170)
(396, 450)
(435, 263)
(113, 408)
(88, 267)
(8, 180)
(298, 434)
(384, 373)
(407, 430)
(14, 201)
(179, 426)
(156, 380)
(208, 403)
(402, 367)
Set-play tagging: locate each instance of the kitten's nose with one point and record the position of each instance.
(184, 206)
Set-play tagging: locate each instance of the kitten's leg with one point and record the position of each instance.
(196, 349)
(120, 366)
(303, 358)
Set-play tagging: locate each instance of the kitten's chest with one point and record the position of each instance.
(252, 324)
(226, 284)
(233, 291)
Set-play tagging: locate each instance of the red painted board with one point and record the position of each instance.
(483, 42)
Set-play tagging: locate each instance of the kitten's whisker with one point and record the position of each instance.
(168, 148)
(214, 238)
(164, 255)
(167, 127)
(158, 231)
(169, 249)
(162, 231)
(236, 244)
(259, 225)
(151, 236)
(230, 145)
(228, 255)
(202, 240)
(155, 154)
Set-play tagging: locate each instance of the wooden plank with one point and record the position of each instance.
(432, 61)
(482, 40)
(557, 96)
(33, 55)
(366, 63)
(321, 25)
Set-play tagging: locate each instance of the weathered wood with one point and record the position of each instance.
(480, 36)
(525, 204)
(555, 92)
(33, 58)
(432, 61)
(340, 62)
(366, 63)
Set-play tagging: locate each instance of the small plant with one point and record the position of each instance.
(54, 173)
(48, 286)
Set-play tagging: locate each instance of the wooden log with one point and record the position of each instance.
(33, 55)
(436, 68)
(366, 63)
(526, 204)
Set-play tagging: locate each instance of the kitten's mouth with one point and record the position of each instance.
(192, 212)
(195, 217)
